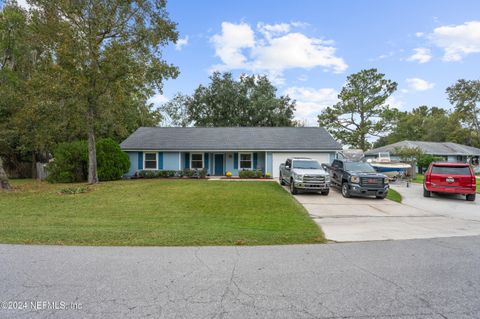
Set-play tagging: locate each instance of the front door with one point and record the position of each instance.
(218, 164)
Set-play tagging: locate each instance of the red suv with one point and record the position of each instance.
(452, 178)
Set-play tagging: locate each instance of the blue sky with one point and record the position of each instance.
(308, 48)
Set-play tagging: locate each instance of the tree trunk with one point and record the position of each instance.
(92, 152)
(34, 166)
(4, 183)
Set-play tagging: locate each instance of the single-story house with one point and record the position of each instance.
(451, 152)
(225, 149)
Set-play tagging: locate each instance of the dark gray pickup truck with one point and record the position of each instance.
(357, 179)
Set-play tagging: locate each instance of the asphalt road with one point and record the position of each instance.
(426, 278)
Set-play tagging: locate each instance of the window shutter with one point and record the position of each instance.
(255, 160)
(140, 160)
(187, 160)
(160, 160)
(205, 160)
(235, 160)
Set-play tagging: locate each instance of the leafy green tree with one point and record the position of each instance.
(112, 161)
(70, 162)
(425, 160)
(250, 101)
(175, 111)
(465, 96)
(425, 124)
(362, 112)
(108, 60)
(14, 67)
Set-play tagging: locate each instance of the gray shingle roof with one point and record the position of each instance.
(432, 148)
(230, 138)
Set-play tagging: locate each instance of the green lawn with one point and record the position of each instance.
(418, 178)
(155, 212)
(394, 195)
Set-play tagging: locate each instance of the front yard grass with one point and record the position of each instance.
(154, 213)
(394, 195)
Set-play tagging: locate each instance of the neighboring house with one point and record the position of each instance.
(451, 152)
(219, 150)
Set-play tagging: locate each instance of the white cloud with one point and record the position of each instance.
(310, 102)
(394, 102)
(418, 84)
(23, 4)
(229, 44)
(181, 43)
(421, 55)
(270, 30)
(457, 41)
(158, 99)
(275, 49)
(419, 34)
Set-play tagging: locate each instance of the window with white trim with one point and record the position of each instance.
(245, 160)
(150, 161)
(196, 160)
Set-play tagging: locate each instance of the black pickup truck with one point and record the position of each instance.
(356, 178)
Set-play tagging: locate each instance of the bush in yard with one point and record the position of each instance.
(112, 162)
(148, 174)
(250, 174)
(194, 173)
(425, 160)
(69, 164)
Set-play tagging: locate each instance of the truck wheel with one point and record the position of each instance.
(325, 192)
(293, 189)
(345, 190)
(471, 197)
(381, 197)
(426, 193)
(282, 182)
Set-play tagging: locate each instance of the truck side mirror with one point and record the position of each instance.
(287, 167)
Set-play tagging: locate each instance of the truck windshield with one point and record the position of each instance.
(360, 167)
(306, 164)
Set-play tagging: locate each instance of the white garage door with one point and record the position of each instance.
(279, 158)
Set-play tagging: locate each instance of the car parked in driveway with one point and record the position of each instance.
(304, 174)
(450, 178)
(357, 178)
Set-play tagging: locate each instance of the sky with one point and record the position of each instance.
(308, 47)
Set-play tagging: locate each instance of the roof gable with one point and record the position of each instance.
(230, 138)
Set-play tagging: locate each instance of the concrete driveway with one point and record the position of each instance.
(364, 219)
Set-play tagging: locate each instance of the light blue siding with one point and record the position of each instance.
(270, 163)
(170, 161)
(229, 164)
(133, 156)
(260, 161)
